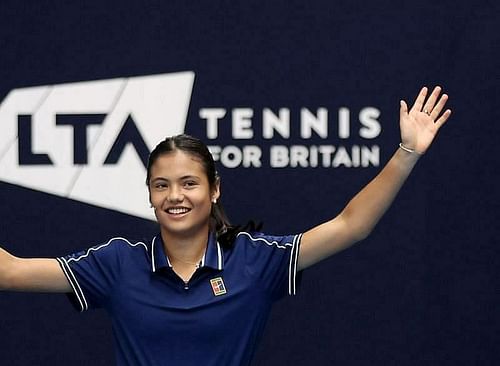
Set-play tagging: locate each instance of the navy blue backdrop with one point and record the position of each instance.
(423, 289)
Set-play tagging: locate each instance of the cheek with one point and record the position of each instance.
(155, 198)
(203, 200)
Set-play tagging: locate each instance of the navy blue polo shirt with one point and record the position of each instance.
(215, 319)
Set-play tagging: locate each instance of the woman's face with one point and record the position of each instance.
(181, 195)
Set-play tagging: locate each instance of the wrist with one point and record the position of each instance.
(409, 150)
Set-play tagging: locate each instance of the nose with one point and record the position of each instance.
(175, 194)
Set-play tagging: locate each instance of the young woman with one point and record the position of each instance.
(200, 292)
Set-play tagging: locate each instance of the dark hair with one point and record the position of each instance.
(195, 147)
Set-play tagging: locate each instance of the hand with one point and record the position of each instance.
(420, 125)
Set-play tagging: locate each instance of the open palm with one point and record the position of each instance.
(421, 123)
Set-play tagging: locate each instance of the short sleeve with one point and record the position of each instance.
(92, 274)
(273, 261)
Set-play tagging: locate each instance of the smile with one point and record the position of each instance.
(178, 210)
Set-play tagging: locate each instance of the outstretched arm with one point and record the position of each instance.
(32, 274)
(419, 126)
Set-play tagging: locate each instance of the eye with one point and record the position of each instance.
(160, 185)
(190, 183)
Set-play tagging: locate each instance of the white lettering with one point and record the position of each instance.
(368, 118)
(271, 122)
(212, 115)
(231, 156)
(341, 158)
(313, 156)
(215, 151)
(310, 122)
(344, 123)
(355, 156)
(326, 152)
(370, 156)
(303, 156)
(251, 156)
(242, 123)
(298, 156)
(279, 156)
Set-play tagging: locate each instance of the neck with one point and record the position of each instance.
(185, 249)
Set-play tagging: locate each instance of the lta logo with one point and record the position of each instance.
(89, 141)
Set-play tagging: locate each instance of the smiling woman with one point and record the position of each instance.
(200, 292)
(182, 164)
(183, 196)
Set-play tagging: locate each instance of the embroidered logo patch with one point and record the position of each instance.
(218, 286)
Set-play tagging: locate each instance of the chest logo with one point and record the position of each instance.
(218, 286)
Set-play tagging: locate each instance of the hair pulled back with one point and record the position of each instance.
(196, 148)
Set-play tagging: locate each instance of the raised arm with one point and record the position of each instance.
(419, 126)
(32, 274)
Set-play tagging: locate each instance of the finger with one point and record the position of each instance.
(444, 117)
(419, 102)
(439, 106)
(403, 109)
(429, 105)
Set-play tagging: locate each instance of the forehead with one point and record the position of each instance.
(177, 164)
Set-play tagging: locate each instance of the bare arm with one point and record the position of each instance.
(418, 128)
(32, 274)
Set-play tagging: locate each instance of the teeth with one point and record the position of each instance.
(177, 210)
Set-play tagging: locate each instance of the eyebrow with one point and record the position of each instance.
(184, 177)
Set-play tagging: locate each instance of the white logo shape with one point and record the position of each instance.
(83, 140)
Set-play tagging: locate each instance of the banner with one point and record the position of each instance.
(299, 105)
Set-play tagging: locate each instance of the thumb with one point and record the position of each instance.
(403, 110)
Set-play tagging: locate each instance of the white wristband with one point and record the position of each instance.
(411, 151)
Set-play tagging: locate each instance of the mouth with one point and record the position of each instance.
(177, 210)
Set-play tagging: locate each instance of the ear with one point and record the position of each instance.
(149, 197)
(216, 190)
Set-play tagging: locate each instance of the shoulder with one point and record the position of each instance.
(258, 244)
(116, 246)
(257, 238)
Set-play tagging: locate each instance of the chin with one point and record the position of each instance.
(184, 230)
